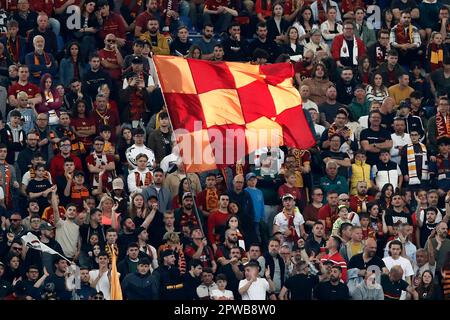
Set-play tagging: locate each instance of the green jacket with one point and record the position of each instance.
(358, 110)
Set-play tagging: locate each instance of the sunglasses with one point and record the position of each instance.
(15, 220)
(17, 248)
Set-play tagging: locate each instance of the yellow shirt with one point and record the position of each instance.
(399, 94)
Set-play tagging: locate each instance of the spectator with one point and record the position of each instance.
(333, 289)
(253, 287)
(159, 43)
(39, 61)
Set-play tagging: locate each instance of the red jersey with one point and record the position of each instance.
(304, 72)
(337, 260)
(114, 24)
(42, 5)
(95, 160)
(328, 216)
(216, 220)
(356, 203)
(57, 165)
(31, 89)
(111, 57)
(206, 257)
(108, 117)
(283, 189)
(49, 214)
(83, 124)
(142, 20)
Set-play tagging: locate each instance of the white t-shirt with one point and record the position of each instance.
(283, 222)
(67, 234)
(218, 294)
(103, 284)
(257, 290)
(402, 262)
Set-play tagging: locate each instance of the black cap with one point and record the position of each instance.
(166, 253)
(137, 60)
(144, 260)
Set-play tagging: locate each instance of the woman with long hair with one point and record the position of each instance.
(292, 44)
(88, 28)
(428, 289)
(110, 218)
(234, 224)
(387, 19)
(277, 25)
(71, 66)
(138, 209)
(13, 269)
(331, 28)
(51, 100)
(318, 83)
(83, 124)
(376, 90)
(387, 193)
(195, 52)
(183, 187)
(364, 70)
(304, 24)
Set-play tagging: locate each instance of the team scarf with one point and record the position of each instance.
(5, 183)
(293, 237)
(403, 37)
(436, 56)
(211, 199)
(33, 174)
(412, 170)
(37, 62)
(13, 49)
(345, 53)
(443, 125)
(147, 181)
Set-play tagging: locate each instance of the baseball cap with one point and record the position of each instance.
(187, 195)
(287, 195)
(46, 226)
(137, 60)
(144, 260)
(250, 175)
(166, 253)
(78, 173)
(117, 184)
(15, 113)
(405, 104)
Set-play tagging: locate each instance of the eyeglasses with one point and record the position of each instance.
(110, 41)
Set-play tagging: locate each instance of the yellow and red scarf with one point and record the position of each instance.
(443, 125)
(47, 60)
(400, 35)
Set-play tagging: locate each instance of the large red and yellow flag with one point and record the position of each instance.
(222, 111)
(116, 289)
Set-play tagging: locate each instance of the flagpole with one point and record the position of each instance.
(191, 190)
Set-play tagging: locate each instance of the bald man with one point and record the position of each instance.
(393, 285)
(358, 264)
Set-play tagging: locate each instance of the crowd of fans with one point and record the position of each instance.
(89, 164)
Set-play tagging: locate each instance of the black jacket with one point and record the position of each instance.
(6, 137)
(136, 286)
(270, 46)
(345, 91)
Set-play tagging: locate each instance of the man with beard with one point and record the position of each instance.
(76, 92)
(142, 19)
(347, 49)
(159, 43)
(234, 270)
(39, 61)
(358, 264)
(199, 249)
(328, 213)
(111, 59)
(206, 42)
(26, 155)
(345, 86)
(262, 42)
(406, 38)
(186, 214)
(168, 277)
(440, 245)
(437, 125)
(358, 202)
(44, 259)
(273, 261)
(377, 52)
(333, 289)
(235, 47)
(303, 68)
(85, 290)
(223, 251)
(399, 139)
(333, 245)
(315, 241)
(401, 91)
